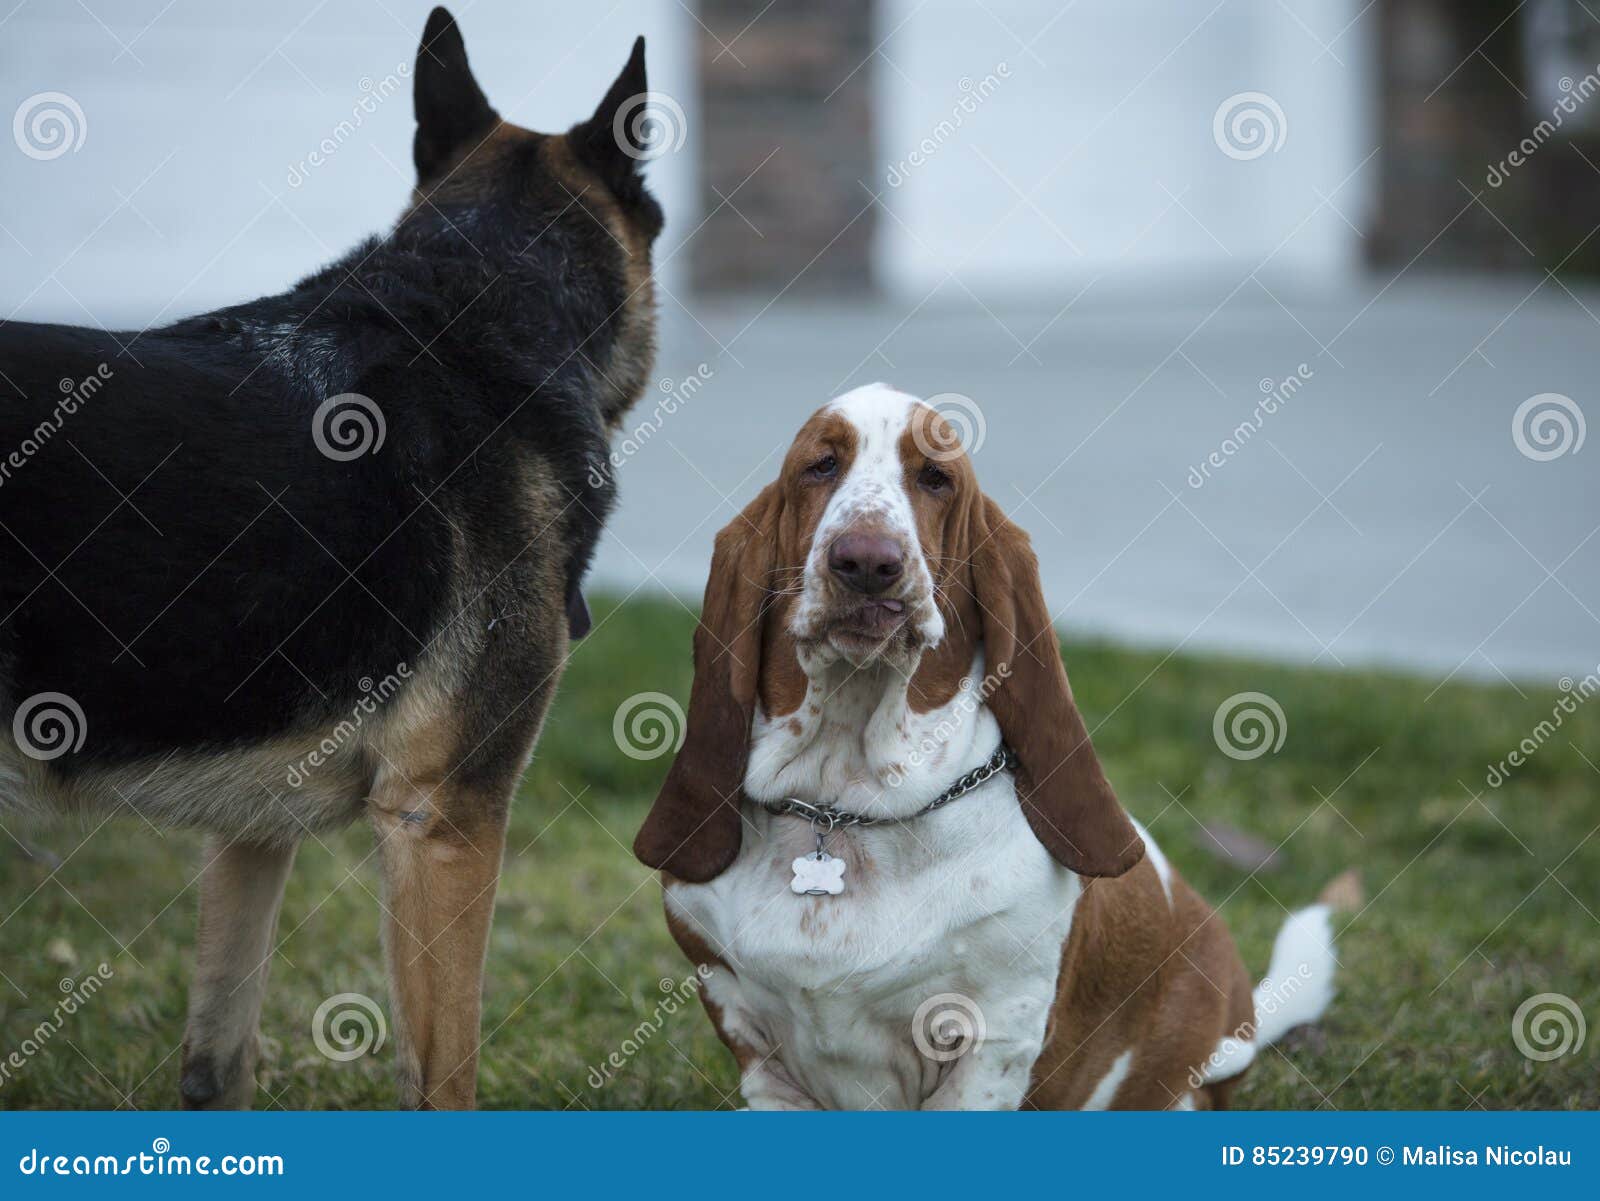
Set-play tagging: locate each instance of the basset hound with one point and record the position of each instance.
(886, 840)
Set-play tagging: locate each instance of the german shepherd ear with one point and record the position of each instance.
(692, 831)
(452, 112)
(612, 142)
(1063, 791)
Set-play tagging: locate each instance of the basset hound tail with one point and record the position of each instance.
(1298, 986)
(1299, 983)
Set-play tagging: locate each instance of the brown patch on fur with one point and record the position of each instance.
(699, 953)
(1165, 982)
(476, 171)
(633, 355)
(988, 582)
(742, 652)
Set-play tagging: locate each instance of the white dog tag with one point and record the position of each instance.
(817, 875)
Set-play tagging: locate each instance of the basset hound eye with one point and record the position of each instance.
(933, 478)
(824, 468)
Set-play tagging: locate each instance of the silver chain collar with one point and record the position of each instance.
(825, 819)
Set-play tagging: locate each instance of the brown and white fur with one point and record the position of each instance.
(1026, 945)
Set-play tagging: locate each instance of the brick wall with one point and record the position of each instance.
(1450, 76)
(786, 135)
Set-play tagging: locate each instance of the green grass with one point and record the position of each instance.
(1474, 904)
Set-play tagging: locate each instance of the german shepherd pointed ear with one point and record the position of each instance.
(692, 831)
(612, 141)
(452, 112)
(1063, 791)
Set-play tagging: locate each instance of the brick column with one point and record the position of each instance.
(789, 100)
(1440, 130)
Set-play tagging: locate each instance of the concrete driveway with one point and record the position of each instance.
(1380, 512)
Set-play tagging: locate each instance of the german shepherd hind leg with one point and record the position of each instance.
(241, 889)
(441, 865)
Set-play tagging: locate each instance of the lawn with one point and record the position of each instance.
(1478, 898)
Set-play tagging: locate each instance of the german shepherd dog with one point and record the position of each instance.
(218, 534)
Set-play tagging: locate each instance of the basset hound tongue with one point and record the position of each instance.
(873, 619)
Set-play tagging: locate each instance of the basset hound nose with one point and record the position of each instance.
(865, 562)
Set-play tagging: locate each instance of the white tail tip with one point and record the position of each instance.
(1299, 983)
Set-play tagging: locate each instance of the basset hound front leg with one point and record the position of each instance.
(991, 1076)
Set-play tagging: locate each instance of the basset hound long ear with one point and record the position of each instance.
(1063, 791)
(692, 831)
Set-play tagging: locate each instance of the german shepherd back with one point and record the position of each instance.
(273, 567)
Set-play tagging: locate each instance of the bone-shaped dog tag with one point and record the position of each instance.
(817, 875)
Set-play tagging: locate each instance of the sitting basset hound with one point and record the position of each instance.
(886, 841)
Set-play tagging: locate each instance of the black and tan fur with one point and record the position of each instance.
(215, 594)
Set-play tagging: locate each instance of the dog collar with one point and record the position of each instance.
(821, 874)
